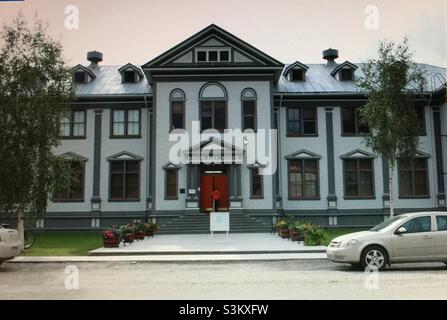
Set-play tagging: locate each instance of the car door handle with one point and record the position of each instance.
(426, 237)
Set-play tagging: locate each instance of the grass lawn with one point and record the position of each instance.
(332, 233)
(64, 243)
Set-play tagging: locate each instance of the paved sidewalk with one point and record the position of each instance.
(171, 258)
(236, 243)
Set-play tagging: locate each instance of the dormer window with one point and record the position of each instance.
(129, 76)
(130, 73)
(296, 71)
(346, 75)
(213, 55)
(344, 71)
(80, 77)
(297, 75)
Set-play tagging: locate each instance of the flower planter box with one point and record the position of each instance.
(149, 233)
(140, 235)
(285, 233)
(129, 238)
(111, 243)
(296, 236)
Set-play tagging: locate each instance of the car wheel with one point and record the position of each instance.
(374, 257)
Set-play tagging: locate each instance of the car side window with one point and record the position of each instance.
(419, 224)
(441, 221)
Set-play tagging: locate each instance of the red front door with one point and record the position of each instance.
(207, 184)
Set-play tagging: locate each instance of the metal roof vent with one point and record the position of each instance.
(330, 55)
(94, 57)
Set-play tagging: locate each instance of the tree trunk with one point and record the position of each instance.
(390, 188)
(21, 226)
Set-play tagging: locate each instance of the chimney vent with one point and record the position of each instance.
(330, 55)
(94, 57)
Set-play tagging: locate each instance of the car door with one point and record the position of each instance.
(418, 243)
(441, 237)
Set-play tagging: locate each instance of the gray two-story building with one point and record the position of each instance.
(118, 137)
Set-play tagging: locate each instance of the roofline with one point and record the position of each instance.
(201, 32)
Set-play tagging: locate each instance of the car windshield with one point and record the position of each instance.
(386, 223)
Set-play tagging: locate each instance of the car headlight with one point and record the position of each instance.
(348, 243)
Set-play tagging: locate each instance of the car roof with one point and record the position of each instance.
(423, 213)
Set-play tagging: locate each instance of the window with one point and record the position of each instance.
(201, 56)
(80, 77)
(171, 184)
(224, 56)
(301, 121)
(75, 191)
(297, 75)
(419, 224)
(129, 76)
(346, 75)
(359, 180)
(125, 180)
(213, 55)
(213, 114)
(125, 123)
(413, 178)
(352, 124)
(177, 115)
(248, 114)
(257, 189)
(420, 114)
(441, 221)
(73, 124)
(303, 179)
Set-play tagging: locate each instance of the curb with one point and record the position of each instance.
(172, 258)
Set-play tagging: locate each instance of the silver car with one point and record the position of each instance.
(412, 237)
(10, 245)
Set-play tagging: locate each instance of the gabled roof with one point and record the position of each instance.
(303, 154)
(124, 155)
(87, 70)
(133, 67)
(342, 66)
(357, 154)
(213, 30)
(293, 65)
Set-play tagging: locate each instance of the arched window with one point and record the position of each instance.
(177, 118)
(248, 98)
(213, 106)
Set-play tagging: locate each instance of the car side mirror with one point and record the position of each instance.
(401, 230)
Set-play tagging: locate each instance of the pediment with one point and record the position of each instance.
(344, 65)
(303, 154)
(124, 155)
(357, 154)
(241, 53)
(73, 156)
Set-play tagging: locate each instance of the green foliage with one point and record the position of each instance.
(282, 222)
(391, 83)
(126, 230)
(35, 90)
(296, 226)
(313, 234)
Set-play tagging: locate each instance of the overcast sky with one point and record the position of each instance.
(138, 30)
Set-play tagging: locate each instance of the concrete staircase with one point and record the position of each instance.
(200, 224)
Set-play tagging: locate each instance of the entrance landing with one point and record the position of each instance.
(236, 243)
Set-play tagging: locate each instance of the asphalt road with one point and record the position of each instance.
(292, 279)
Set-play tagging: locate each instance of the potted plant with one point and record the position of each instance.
(313, 234)
(111, 238)
(128, 233)
(140, 229)
(280, 224)
(296, 233)
(284, 229)
(152, 228)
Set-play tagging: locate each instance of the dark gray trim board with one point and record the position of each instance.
(97, 157)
